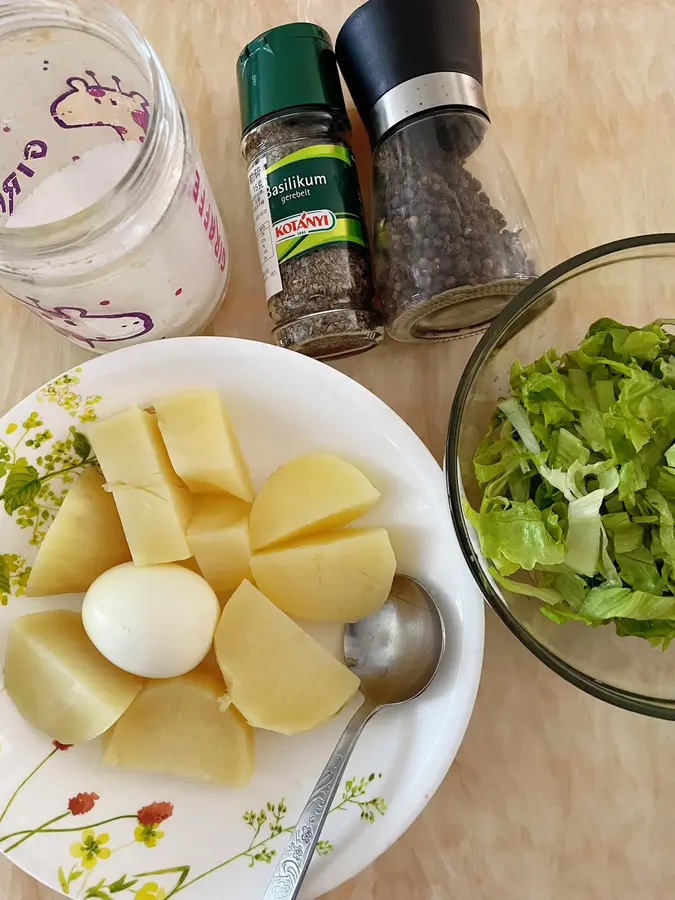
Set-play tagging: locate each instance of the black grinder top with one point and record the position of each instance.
(399, 57)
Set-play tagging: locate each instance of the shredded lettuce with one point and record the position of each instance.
(547, 594)
(583, 533)
(577, 478)
(612, 602)
(519, 536)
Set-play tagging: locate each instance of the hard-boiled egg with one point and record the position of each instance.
(152, 621)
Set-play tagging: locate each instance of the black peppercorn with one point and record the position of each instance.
(450, 248)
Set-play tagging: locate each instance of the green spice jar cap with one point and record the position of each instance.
(293, 65)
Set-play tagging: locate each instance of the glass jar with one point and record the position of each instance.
(453, 236)
(108, 228)
(308, 213)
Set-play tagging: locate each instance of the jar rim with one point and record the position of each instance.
(79, 231)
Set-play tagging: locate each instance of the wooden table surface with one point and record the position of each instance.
(553, 794)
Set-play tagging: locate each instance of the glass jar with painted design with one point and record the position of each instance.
(108, 227)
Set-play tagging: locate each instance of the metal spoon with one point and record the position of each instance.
(395, 652)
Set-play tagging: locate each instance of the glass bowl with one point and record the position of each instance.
(632, 281)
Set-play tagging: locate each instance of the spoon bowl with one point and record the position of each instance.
(397, 650)
(396, 653)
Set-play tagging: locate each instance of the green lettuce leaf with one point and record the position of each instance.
(625, 534)
(583, 533)
(657, 632)
(519, 537)
(547, 594)
(561, 614)
(604, 392)
(518, 418)
(638, 570)
(664, 482)
(571, 586)
(665, 368)
(617, 602)
(631, 479)
(666, 522)
(566, 448)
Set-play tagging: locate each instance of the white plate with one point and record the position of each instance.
(221, 842)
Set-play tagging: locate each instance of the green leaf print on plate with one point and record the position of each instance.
(14, 572)
(38, 470)
(60, 391)
(81, 445)
(21, 487)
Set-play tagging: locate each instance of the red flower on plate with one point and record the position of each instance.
(60, 746)
(82, 803)
(155, 813)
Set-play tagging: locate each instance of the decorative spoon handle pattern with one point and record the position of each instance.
(294, 862)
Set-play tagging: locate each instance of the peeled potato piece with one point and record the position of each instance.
(339, 577)
(309, 494)
(154, 505)
(278, 677)
(84, 540)
(218, 538)
(184, 726)
(155, 521)
(60, 682)
(202, 444)
(130, 450)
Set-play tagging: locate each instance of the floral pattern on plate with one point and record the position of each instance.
(93, 846)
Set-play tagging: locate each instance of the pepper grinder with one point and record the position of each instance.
(453, 237)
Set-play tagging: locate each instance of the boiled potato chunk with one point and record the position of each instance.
(278, 677)
(155, 521)
(130, 450)
(60, 682)
(307, 495)
(218, 538)
(202, 444)
(184, 726)
(84, 540)
(339, 577)
(153, 503)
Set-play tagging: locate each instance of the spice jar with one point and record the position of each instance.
(453, 238)
(307, 207)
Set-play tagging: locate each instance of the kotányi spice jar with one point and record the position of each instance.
(307, 207)
(453, 238)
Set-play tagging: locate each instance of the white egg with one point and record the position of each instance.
(152, 621)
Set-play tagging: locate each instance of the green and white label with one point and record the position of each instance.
(308, 199)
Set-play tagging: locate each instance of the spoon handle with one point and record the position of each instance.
(293, 863)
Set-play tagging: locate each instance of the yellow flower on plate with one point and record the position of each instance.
(91, 848)
(151, 891)
(148, 835)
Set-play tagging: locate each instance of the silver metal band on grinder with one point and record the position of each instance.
(422, 93)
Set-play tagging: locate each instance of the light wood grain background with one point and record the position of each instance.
(553, 795)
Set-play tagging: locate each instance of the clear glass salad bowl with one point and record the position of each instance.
(631, 281)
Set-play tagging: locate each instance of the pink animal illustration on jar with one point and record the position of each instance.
(89, 104)
(92, 328)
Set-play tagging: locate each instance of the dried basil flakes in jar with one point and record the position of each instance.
(453, 239)
(307, 206)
